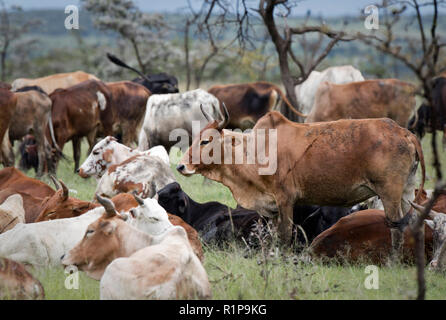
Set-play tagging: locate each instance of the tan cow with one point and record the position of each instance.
(338, 163)
(54, 81)
(17, 283)
(382, 98)
(162, 266)
(11, 212)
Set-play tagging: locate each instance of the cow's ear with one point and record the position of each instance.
(108, 227)
(429, 223)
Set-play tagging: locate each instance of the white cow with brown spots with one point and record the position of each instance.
(135, 265)
(108, 152)
(143, 174)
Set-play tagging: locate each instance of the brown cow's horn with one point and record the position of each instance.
(206, 115)
(225, 120)
(56, 183)
(65, 189)
(138, 199)
(108, 205)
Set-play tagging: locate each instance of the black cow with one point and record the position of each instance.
(29, 154)
(213, 221)
(158, 83)
(422, 121)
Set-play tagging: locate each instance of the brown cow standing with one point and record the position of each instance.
(8, 102)
(32, 115)
(78, 112)
(365, 235)
(338, 163)
(248, 102)
(382, 98)
(16, 283)
(129, 102)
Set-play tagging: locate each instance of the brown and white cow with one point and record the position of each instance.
(338, 163)
(33, 191)
(109, 151)
(79, 111)
(32, 115)
(164, 266)
(364, 235)
(8, 102)
(16, 283)
(248, 102)
(128, 105)
(381, 98)
(143, 174)
(54, 81)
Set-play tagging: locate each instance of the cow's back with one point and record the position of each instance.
(389, 98)
(56, 81)
(363, 235)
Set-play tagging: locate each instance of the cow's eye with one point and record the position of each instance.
(89, 233)
(50, 213)
(203, 142)
(95, 153)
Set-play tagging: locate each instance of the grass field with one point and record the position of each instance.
(236, 273)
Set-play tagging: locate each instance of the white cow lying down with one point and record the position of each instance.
(109, 151)
(44, 243)
(132, 264)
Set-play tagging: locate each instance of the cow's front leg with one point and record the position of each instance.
(397, 244)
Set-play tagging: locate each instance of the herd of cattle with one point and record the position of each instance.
(141, 235)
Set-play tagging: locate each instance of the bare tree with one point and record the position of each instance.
(138, 28)
(248, 20)
(11, 30)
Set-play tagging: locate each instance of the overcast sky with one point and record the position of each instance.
(325, 7)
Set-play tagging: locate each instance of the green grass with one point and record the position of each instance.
(235, 273)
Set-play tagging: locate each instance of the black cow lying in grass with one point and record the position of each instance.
(218, 223)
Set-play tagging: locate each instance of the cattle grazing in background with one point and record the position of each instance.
(381, 98)
(33, 191)
(128, 106)
(16, 283)
(168, 112)
(218, 223)
(140, 174)
(422, 121)
(306, 91)
(163, 266)
(32, 116)
(364, 235)
(11, 212)
(55, 81)
(159, 83)
(8, 102)
(339, 163)
(109, 152)
(80, 111)
(248, 102)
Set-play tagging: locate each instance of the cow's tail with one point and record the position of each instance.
(288, 103)
(122, 64)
